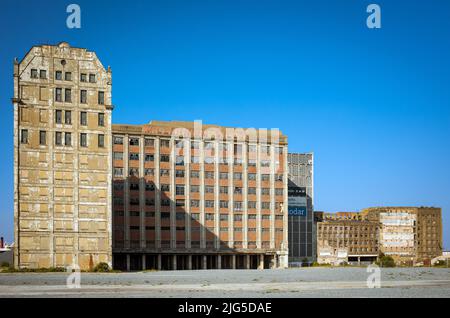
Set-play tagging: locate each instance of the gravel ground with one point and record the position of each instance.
(303, 282)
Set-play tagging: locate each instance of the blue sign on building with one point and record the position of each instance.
(297, 210)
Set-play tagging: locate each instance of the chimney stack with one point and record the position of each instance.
(1, 243)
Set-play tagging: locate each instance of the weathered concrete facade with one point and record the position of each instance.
(409, 234)
(62, 158)
(345, 237)
(187, 198)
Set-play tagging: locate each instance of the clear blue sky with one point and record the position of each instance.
(373, 105)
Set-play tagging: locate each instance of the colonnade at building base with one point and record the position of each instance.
(165, 261)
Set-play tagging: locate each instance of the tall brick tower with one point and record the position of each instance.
(62, 160)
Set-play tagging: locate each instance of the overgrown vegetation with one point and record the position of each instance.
(101, 268)
(33, 270)
(385, 261)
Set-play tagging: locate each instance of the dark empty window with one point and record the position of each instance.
(91, 78)
(24, 136)
(101, 98)
(58, 138)
(83, 96)
(42, 138)
(165, 143)
(68, 95)
(58, 116)
(43, 74)
(83, 140)
(68, 117)
(83, 118)
(101, 141)
(58, 95)
(149, 157)
(68, 76)
(83, 77)
(68, 139)
(165, 158)
(101, 119)
(58, 75)
(118, 140)
(34, 73)
(134, 141)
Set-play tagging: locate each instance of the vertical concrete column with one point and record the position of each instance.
(233, 261)
(274, 262)
(244, 195)
(273, 170)
(247, 261)
(216, 195)
(219, 262)
(187, 194)
(205, 262)
(174, 262)
(157, 200)
(126, 189)
(230, 153)
(143, 240)
(189, 262)
(258, 195)
(173, 228)
(159, 262)
(144, 262)
(128, 262)
(261, 261)
(202, 194)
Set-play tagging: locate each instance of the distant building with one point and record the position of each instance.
(344, 237)
(408, 234)
(302, 232)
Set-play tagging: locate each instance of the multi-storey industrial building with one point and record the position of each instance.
(62, 142)
(192, 196)
(345, 237)
(408, 234)
(302, 232)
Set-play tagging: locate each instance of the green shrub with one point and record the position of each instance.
(101, 268)
(386, 261)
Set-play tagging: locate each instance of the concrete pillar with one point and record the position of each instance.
(233, 261)
(128, 262)
(144, 263)
(174, 262)
(274, 262)
(219, 262)
(189, 262)
(261, 261)
(247, 261)
(158, 262)
(205, 262)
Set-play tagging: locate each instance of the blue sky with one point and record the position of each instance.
(373, 105)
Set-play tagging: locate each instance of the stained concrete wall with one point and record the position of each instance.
(62, 191)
